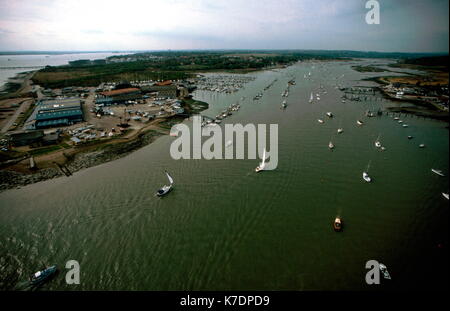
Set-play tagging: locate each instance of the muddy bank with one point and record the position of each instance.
(102, 154)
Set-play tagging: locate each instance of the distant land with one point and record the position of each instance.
(333, 53)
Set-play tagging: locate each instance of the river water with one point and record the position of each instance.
(225, 227)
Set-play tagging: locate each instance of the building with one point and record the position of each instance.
(165, 89)
(60, 112)
(120, 95)
(23, 138)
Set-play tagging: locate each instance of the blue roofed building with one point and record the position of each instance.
(58, 112)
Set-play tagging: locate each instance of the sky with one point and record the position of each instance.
(93, 25)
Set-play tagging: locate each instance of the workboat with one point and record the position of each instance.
(166, 188)
(320, 120)
(438, 172)
(329, 114)
(359, 122)
(385, 272)
(262, 165)
(43, 275)
(445, 195)
(337, 225)
(340, 130)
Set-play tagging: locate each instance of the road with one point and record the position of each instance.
(22, 108)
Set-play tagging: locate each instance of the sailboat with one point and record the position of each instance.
(377, 142)
(438, 172)
(166, 188)
(311, 98)
(262, 165)
(330, 145)
(366, 176)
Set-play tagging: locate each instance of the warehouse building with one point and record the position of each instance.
(165, 89)
(60, 112)
(119, 96)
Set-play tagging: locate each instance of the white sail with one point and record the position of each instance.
(170, 178)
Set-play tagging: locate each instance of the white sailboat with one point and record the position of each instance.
(438, 172)
(262, 165)
(331, 145)
(366, 176)
(377, 142)
(166, 188)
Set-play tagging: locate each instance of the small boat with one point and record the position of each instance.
(396, 118)
(340, 130)
(383, 148)
(377, 142)
(405, 125)
(410, 137)
(359, 122)
(330, 145)
(166, 188)
(337, 225)
(43, 275)
(438, 172)
(385, 272)
(422, 146)
(329, 114)
(283, 104)
(400, 121)
(445, 195)
(262, 165)
(311, 98)
(366, 177)
(320, 120)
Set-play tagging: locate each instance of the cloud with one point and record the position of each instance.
(411, 25)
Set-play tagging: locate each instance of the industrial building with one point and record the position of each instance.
(165, 89)
(119, 96)
(59, 112)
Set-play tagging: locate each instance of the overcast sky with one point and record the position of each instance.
(406, 25)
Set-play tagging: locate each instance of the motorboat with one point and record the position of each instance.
(445, 195)
(340, 130)
(422, 146)
(43, 275)
(262, 165)
(438, 172)
(366, 177)
(385, 272)
(410, 137)
(405, 125)
(337, 224)
(320, 121)
(329, 114)
(359, 122)
(166, 188)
